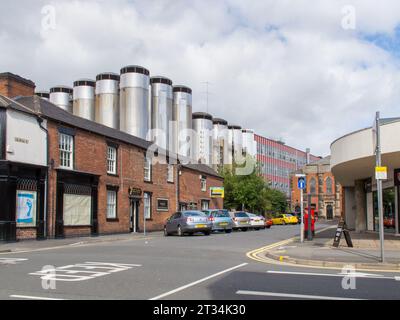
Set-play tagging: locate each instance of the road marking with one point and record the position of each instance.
(198, 282)
(32, 297)
(82, 271)
(11, 260)
(289, 295)
(341, 275)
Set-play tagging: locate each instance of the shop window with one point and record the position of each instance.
(77, 203)
(66, 147)
(147, 205)
(111, 160)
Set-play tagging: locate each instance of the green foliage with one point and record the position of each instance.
(250, 192)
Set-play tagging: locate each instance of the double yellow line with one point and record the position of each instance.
(254, 254)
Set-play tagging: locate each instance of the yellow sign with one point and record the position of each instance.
(381, 173)
(217, 192)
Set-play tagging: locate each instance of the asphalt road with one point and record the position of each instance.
(174, 268)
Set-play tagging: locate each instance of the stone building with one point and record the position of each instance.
(321, 184)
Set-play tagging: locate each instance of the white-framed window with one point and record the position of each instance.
(147, 205)
(111, 204)
(147, 169)
(170, 173)
(205, 204)
(203, 182)
(66, 147)
(111, 160)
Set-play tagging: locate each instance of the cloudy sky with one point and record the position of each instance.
(303, 71)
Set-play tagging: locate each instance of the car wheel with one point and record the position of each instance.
(228, 231)
(244, 229)
(166, 234)
(256, 229)
(180, 233)
(269, 227)
(284, 223)
(207, 233)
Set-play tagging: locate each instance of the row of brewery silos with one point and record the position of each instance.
(153, 109)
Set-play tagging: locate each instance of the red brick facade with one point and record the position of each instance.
(12, 86)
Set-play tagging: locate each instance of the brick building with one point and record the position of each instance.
(101, 181)
(326, 191)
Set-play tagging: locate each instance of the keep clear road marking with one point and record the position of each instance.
(350, 274)
(15, 296)
(198, 282)
(289, 295)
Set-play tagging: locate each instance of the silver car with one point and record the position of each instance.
(221, 220)
(189, 222)
(241, 221)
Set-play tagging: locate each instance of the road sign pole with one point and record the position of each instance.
(379, 188)
(302, 216)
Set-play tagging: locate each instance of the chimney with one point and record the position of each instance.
(12, 85)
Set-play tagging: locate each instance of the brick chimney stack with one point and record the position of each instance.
(12, 85)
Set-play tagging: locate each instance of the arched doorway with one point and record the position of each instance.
(329, 212)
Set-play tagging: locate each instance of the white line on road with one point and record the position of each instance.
(289, 295)
(197, 282)
(32, 297)
(341, 275)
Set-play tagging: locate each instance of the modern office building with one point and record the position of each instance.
(277, 162)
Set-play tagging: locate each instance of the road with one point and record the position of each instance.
(174, 268)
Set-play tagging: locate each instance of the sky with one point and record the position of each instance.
(303, 71)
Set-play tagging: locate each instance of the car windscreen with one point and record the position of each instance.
(193, 214)
(221, 214)
(241, 215)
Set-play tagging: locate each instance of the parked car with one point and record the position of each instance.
(189, 222)
(241, 221)
(298, 216)
(257, 222)
(389, 222)
(284, 219)
(220, 219)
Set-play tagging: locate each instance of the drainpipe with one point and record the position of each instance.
(178, 186)
(46, 188)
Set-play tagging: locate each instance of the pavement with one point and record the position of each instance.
(217, 267)
(320, 252)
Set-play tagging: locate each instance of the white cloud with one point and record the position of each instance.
(286, 69)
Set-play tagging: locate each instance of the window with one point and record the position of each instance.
(313, 186)
(162, 204)
(329, 186)
(111, 160)
(66, 145)
(147, 169)
(111, 204)
(203, 182)
(205, 204)
(147, 205)
(170, 174)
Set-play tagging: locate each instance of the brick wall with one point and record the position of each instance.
(190, 188)
(12, 86)
(26, 233)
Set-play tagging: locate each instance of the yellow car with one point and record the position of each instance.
(285, 219)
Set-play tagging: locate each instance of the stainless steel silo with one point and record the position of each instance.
(235, 143)
(202, 142)
(62, 97)
(220, 142)
(83, 99)
(107, 100)
(181, 136)
(161, 111)
(249, 142)
(134, 101)
(43, 94)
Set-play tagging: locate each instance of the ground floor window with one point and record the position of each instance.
(147, 205)
(205, 204)
(26, 208)
(77, 203)
(389, 208)
(111, 204)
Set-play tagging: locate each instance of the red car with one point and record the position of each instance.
(268, 223)
(388, 222)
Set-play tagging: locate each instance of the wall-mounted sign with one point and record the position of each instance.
(21, 140)
(135, 192)
(162, 204)
(217, 192)
(26, 208)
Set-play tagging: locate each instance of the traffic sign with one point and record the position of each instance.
(381, 173)
(301, 183)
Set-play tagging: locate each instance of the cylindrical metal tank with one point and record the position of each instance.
(249, 142)
(43, 94)
(107, 100)
(134, 101)
(62, 97)
(202, 143)
(182, 117)
(220, 142)
(161, 111)
(83, 105)
(235, 142)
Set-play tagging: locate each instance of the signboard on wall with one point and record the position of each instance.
(217, 192)
(162, 205)
(26, 208)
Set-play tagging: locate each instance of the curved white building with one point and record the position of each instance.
(353, 165)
